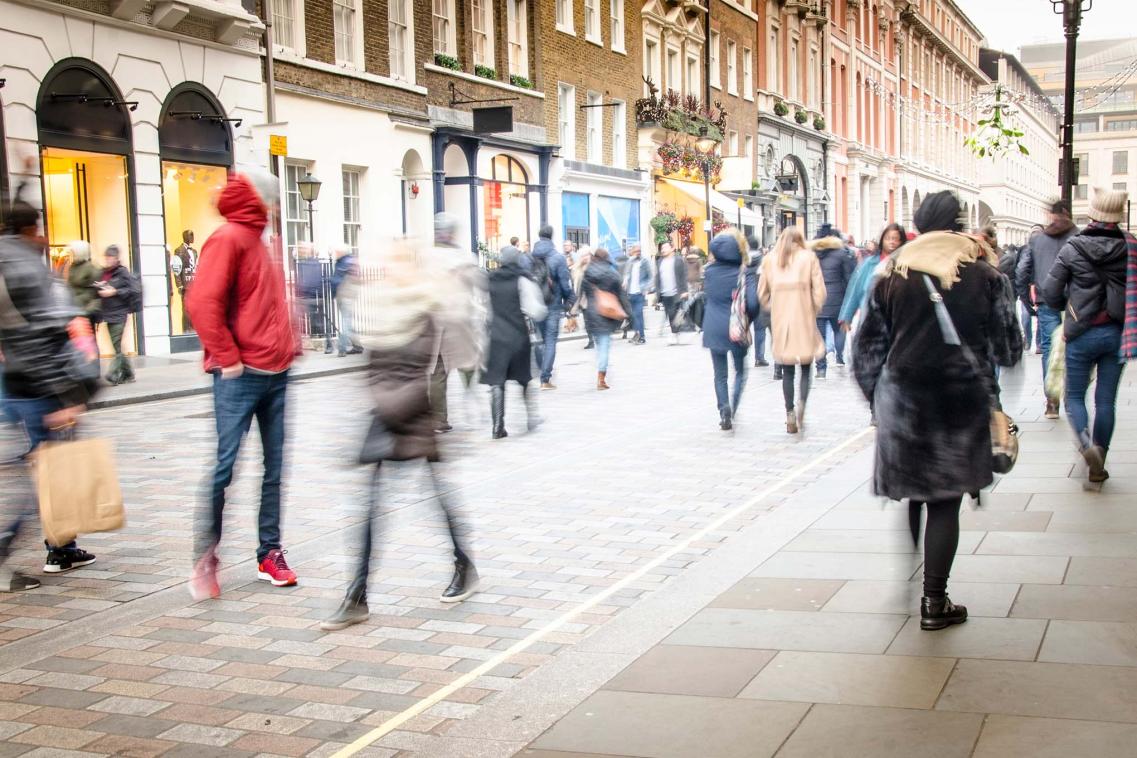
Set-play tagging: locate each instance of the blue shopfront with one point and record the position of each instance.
(606, 221)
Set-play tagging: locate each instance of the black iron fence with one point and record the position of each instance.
(316, 307)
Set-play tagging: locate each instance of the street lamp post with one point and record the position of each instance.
(309, 187)
(1071, 12)
(705, 146)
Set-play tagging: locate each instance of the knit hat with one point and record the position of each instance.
(1108, 205)
(939, 213)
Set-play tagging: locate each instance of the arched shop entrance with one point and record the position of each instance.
(196, 148)
(87, 168)
(793, 195)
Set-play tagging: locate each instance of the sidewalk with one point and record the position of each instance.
(798, 639)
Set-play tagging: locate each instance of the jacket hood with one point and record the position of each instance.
(543, 248)
(240, 204)
(1100, 246)
(725, 249)
(1059, 228)
(825, 245)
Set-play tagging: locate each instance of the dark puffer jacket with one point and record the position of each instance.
(117, 308)
(1088, 278)
(837, 266)
(719, 283)
(601, 275)
(1037, 258)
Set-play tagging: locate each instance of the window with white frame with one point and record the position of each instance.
(732, 143)
(674, 81)
(564, 16)
(748, 151)
(400, 35)
(481, 28)
(592, 20)
(795, 93)
(812, 75)
(716, 63)
(295, 209)
(442, 14)
(772, 81)
(651, 62)
(345, 21)
(619, 133)
(731, 67)
(518, 20)
(693, 81)
(594, 124)
(748, 73)
(616, 9)
(566, 120)
(288, 24)
(352, 216)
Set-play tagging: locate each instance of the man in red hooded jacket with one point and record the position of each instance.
(238, 305)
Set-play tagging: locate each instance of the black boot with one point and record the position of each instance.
(463, 584)
(725, 422)
(497, 410)
(940, 613)
(777, 372)
(353, 610)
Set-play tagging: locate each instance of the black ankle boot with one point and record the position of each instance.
(463, 584)
(940, 613)
(725, 422)
(497, 409)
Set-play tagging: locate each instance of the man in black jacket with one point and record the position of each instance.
(46, 385)
(837, 266)
(671, 285)
(120, 292)
(551, 271)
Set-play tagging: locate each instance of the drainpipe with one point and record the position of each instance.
(270, 85)
(707, 56)
(825, 179)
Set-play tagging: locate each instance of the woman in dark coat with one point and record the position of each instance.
(513, 296)
(933, 405)
(402, 342)
(720, 281)
(602, 275)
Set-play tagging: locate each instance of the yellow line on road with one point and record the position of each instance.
(470, 677)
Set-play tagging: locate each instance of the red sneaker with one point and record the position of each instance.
(274, 569)
(204, 583)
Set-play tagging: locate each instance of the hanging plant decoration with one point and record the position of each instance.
(663, 225)
(671, 155)
(801, 117)
(686, 228)
(781, 109)
(997, 133)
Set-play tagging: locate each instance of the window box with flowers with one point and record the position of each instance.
(485, 72)
(447, 61)
(517, 80)
(675, 113)
(781, 109)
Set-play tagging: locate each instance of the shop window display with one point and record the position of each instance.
(86, 197)
(506, 202)
(189, 192)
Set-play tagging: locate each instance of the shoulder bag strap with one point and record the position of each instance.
(951, 337)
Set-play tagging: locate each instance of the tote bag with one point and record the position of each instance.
(78, 489)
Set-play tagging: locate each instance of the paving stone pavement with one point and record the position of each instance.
(117, 659)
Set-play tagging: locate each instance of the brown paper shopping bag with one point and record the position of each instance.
(78, 489)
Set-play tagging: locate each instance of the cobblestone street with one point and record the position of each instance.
(650, 586)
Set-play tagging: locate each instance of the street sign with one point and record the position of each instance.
(496, 119)
(278, 145)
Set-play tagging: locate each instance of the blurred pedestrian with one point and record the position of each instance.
(606, 308)
(121, 295)
(695, 259)
(345, 291)
(730, 255)
(637, 279)
(47, 382)
(401, 338)
(584, 254)
(310, 291)
(671, 286)
(837, 264)
(761, 324)
(550, 270)
(241, 313)
(83, 278)
(864, 276)
(938, 321)
(1087, 281)
(513, 297)
(792, 288)
(1035, 263)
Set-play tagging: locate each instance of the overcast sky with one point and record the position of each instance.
(1010, 24)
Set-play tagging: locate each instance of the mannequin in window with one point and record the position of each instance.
(183, 266)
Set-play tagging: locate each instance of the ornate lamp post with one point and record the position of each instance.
(705, 146)
(1071, 12)
(309, 187)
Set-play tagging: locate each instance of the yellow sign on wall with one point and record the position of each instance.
(278, 145)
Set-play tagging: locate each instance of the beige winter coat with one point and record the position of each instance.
(793, 296)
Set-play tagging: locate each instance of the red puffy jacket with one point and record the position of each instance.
(237, 301)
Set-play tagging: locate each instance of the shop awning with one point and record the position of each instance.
(720, 202)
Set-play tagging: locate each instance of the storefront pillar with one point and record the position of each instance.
(544, 158)
(438, 143)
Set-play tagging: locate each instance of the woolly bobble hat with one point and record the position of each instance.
(1108, 205)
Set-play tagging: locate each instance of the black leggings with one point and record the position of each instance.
(788, 384)
(941, 539)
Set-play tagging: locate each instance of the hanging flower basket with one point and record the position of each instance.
(685, 229)
(781, 109)
(801, 117)
(663, 225)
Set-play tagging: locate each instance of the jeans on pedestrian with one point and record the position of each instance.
(1048, 320)
(759, 341)
(358, 588)
(719, 358)
(838, 341)
(549, 329)
(1099, 346)
(1026, 319)
(346, 339)
(671, 310)
(121, 370)
(235, 403)
(637, 315)
(603, 348)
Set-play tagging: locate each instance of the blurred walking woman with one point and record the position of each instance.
(792, 289)
(937, 319)
(606, 308)
(513, 296)
(731, 254)
(401, 340)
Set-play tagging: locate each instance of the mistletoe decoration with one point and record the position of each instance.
(997, 134)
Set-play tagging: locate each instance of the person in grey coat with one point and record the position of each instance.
(837, 266)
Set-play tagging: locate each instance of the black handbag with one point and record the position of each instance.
(378, 444)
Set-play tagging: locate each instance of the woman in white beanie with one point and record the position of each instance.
(1088, 283)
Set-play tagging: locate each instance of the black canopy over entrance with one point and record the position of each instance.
(79, 108)
(194, 128)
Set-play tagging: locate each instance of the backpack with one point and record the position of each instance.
(739, 318)
(544, 279)
(134, 300)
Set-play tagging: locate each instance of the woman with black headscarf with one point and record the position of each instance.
(933, 398)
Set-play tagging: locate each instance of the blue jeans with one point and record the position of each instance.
(235, 403)
(637, 314)
(603, 347)
(1048, 320)
(719, 361)
(346, 340)
(759, 341)
(549, 329)
(1099, 346)
(838, 341)
(1026, 318)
